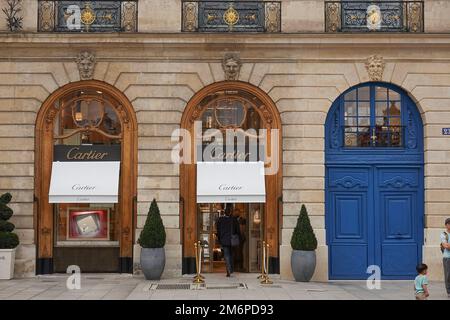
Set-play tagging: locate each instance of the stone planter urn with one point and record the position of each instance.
(153, 261)
(152, 241)
(303, 264)
(304, 245)
(7, 258)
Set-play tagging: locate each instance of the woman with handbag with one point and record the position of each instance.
(228, 236)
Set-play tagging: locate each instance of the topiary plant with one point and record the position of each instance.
(8, 240)
(303, 237)
(153, 235)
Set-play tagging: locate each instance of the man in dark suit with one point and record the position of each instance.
(226, 226)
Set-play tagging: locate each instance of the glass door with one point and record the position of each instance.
(246, 256)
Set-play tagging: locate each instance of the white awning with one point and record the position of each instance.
(230, 182)
(85, 182)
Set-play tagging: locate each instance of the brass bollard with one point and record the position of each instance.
(262, 275)
(265, 276)
(198, 262)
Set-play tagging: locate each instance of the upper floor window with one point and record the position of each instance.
(231, 16)
(374, 16)
(87, 16)
(372, 117)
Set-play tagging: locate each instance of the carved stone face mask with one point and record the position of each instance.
(232, 69)
(375, 68)
(231, 65)
(86, 65)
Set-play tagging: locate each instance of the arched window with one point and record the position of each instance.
(85, 127)
(372, 117)
(86, 118)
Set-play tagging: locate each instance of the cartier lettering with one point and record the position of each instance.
(242, 156)
(76, 154)
(79, 187)
(225, 187)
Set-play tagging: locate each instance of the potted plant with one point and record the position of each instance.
(304, 244)
(8, 240)
(152, 241)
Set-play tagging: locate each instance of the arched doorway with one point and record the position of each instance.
(374, 183)
(246, 111)
(85, 126)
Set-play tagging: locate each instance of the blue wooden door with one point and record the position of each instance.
(349, 201)
(374, 184)
(397, 204)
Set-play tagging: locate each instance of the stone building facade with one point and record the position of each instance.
(160, 69)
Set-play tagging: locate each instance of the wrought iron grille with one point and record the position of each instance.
(375, 16)
(87, 16)
(231, 16)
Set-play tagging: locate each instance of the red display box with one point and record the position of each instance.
(88, 224)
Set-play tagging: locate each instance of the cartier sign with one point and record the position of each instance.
(86, 153)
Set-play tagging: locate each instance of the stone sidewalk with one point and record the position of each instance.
(238, 287)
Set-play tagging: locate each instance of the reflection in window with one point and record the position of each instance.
(87, 117)
(234, 114)
(372, 117)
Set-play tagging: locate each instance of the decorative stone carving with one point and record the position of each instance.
(375, 67)
(231, 65)
(86, 65)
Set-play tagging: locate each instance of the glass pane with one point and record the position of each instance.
(364, 137)
(394, 109)
(364, 109)
(351, 121)
(364, 93)
(381, 94)
(396, 137)
(350, 109)
(87, 109)
(395, 121)
(350, 95)
(230, 112)
(393, 95)
(351, 139)
(381, 121)
(88, 113)
(363, 121)
(86, 224)
(381, 109)
(255, 237)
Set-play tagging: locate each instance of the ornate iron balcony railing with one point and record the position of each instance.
(231, 16)
(381, 16)
(87, 16)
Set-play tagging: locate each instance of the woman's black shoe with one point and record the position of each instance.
(228, 274)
